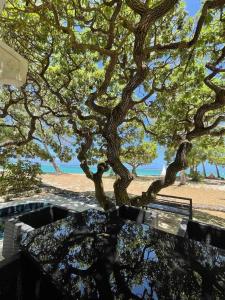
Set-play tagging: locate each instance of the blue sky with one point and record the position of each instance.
(193, 6)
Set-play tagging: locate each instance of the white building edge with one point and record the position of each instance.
(163, 173)
(13, 67)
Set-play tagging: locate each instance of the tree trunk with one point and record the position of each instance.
(118, 114)
(177, 165)
(125, 177)
(52, 160)
(120, 187)
(183, 179)
(203, 167)
(134, 171)
(217, 171)
(55, 166)
(191, 169)
(100, 195)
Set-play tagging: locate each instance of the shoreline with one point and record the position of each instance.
(142, 171)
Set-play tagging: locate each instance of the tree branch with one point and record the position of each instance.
(214, 4)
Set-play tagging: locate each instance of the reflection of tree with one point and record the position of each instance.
(94, 259)
(208, 266)
(173, 266)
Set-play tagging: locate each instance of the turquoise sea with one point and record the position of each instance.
(77, 170)
(146, 171)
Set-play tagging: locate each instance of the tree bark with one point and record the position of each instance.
(217, 171)
(52, 160)
(203, 167)
(120, 187)
(177, 165)
(55, 166)
(183, 179)
(134, 171)
(100, 195)
(116, 117)
(113, 154)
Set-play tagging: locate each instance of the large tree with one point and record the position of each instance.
(100, 65)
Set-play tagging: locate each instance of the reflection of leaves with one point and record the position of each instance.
(94, 256)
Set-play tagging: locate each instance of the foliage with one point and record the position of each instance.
(140, 154)
(217, 155)
(195, 176)
(206, 148)
(19, 177)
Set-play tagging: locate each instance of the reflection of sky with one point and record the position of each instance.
(63, 231)
(94, 218)
(150, 255)
(141, 268)
(144, 290)
(61, 266)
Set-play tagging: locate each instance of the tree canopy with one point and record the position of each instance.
(97, 66)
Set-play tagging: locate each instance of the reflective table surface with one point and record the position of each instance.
(95, 255)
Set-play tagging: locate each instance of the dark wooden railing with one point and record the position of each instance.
(174, 204)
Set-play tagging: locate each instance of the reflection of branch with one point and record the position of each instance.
(63, 248)
(122, 285)
(209, 276)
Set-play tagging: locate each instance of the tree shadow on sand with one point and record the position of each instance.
(197, 215)
(208, 218)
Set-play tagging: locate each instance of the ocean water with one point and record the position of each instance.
(78, 170)
(146, 171)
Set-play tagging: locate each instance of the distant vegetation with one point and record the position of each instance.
(19, 177)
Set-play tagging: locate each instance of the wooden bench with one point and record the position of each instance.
(173, 204)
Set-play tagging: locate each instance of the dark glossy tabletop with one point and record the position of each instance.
(94, 256)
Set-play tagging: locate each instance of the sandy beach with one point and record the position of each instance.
(210, 194)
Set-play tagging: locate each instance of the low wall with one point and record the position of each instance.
(15, 208)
